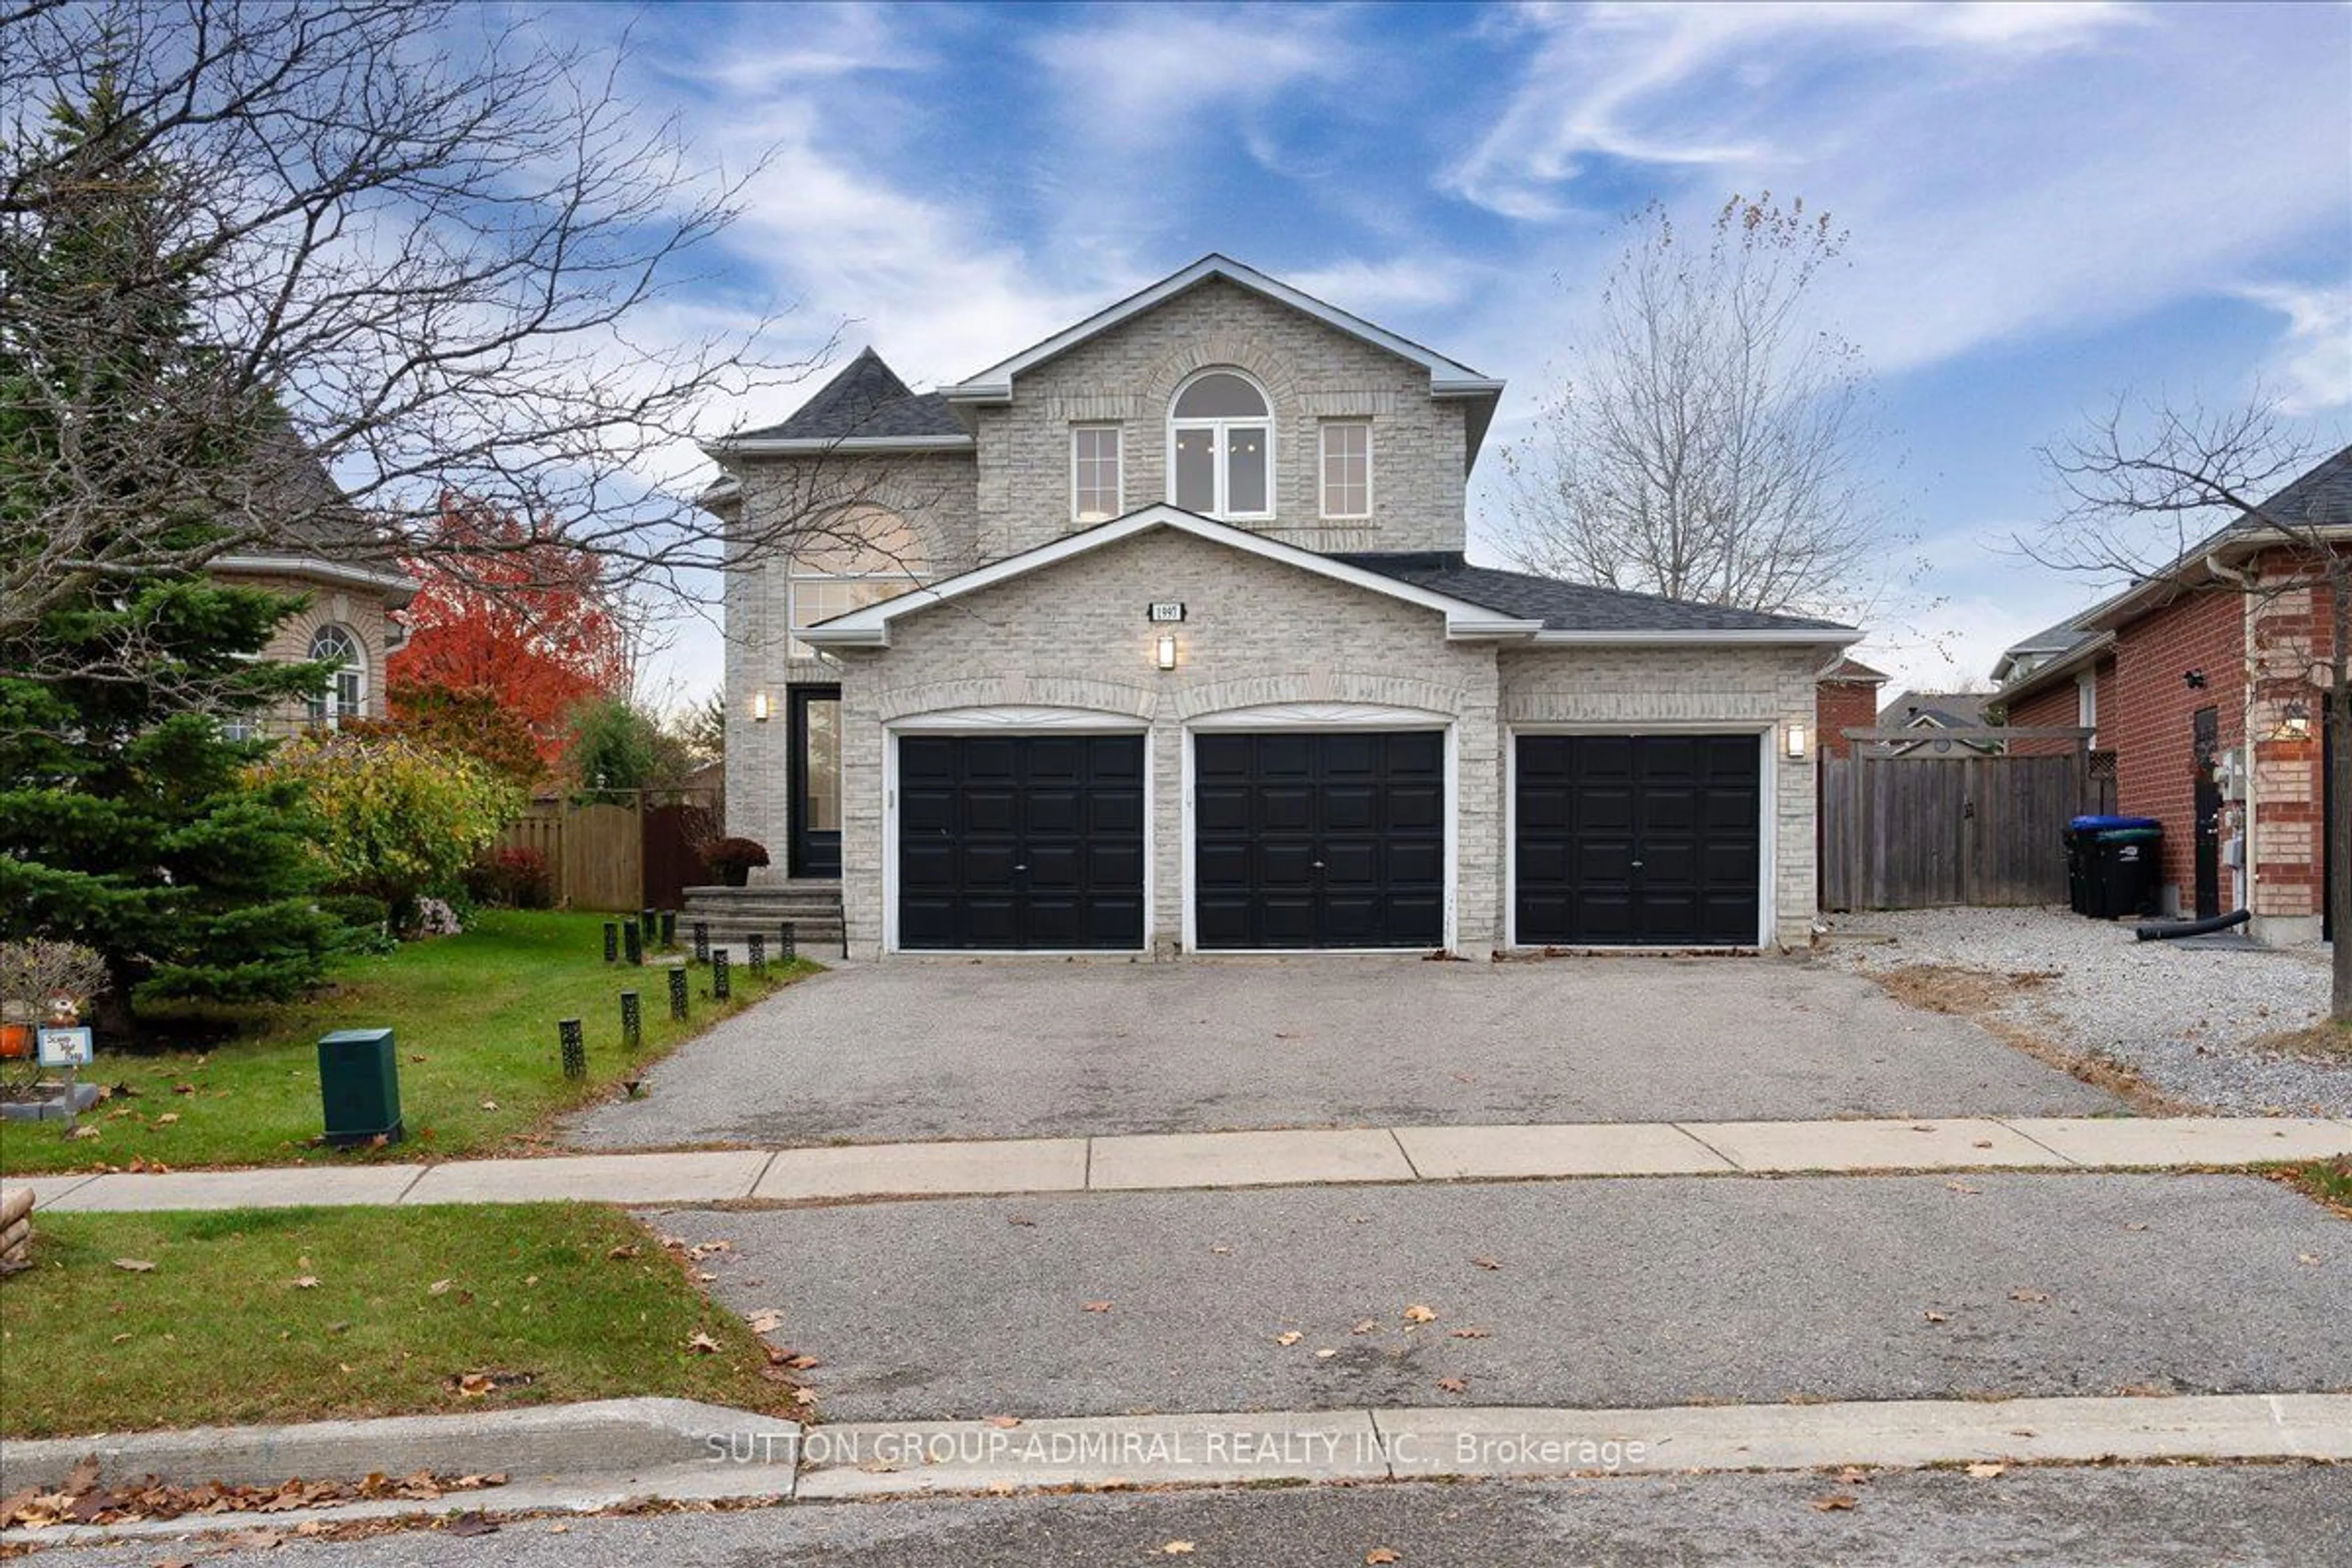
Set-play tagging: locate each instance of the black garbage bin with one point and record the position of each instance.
(2114, 865)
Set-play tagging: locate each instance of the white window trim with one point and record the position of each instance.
(1219, 429)
(1323, 470)
(2086, 703)
(1118, 454)
(327, 708)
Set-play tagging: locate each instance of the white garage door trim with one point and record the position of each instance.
(1313, 716)
(1002, 721)
(1767, 835)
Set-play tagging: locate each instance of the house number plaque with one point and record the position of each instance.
(1166, 610)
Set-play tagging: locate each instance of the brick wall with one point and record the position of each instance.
(1840, 706)
(360, 610)
(2061, 702)
(1128, 376)
(2152, 707)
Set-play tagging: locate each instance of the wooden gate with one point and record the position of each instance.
(1927, 830)
(593, 850)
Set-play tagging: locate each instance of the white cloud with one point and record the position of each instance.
(2311, 367)
(1402, 282)
(1141, 76)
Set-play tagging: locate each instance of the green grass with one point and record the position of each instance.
(473, 1018)
(218, 1331)
(2329, 1181)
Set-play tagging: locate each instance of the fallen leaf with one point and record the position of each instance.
(2135, 1225)
(1470, 1333)
(702, 1343)
(305, 1282)
(1177, 1549)
(1420, 1314)
(84, 1131)
(627, 1249)
(558, 1529)
(473, 1523)
(134, 1265)
(766, 1320)
(1981, 1143)
(119, 1339)
(2023, 1294)
(1098, 1307)
(1485, 1263)
(1986, 1472)
(1221, 1251)
(167, 1119)
(1005, 1423)
(1962, 1188)
(2311, 1258)
(1381, 1555)
(1325, 1355)
(438, 1287)
(1454, 1384)
(1835, 1502)
(1365, 1327)
(1935, 1317)
(1288, 1337)
(1019, 1219)
(489, 1105)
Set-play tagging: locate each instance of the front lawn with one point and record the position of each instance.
(251, 1315)
(473, 1018)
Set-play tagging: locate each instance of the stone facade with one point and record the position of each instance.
(362, 611)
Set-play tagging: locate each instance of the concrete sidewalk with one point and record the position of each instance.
(1170, 1162)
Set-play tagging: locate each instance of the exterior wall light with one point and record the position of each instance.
(1796, 741)
(2295, 723)
(759, 707)
(1165, 651)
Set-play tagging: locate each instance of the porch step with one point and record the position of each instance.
(733, 913)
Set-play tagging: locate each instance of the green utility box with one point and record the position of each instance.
(359, 1082)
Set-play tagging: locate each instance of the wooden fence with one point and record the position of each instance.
(1921, 831)
(595, 851)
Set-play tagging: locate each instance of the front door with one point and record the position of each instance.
(2205, 748)
(815, 780)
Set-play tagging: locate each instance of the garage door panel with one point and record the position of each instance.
(1221, 808)
(1343, 845)
(1647, 839)
(1019, 841)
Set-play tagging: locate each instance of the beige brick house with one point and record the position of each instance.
(1157, 638)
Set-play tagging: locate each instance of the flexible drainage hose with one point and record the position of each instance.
(2172, 929)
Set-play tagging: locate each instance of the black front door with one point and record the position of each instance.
(814, 769)
(1013, 842)
(1319, 839)
(2205, 748)
(1638, 840)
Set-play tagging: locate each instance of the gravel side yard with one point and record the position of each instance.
(2178, 1012)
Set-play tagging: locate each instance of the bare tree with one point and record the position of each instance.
(2200, 497)
(277, 276)
(1709, 440)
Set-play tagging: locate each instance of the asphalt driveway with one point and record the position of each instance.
(1598, 1294)
(934, 1049)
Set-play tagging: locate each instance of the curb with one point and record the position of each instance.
(687, 1452)
(604, 1438)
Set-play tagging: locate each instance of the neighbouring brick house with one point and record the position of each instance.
(2175, 673)
(1847, 699)
(1157, 637)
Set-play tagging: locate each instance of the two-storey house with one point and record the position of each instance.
(1157, 638)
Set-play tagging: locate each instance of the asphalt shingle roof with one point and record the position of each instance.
(865, 399)
(1569, 607)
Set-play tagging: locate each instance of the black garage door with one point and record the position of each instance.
(1638, 840)
(1021, 841)
(1319, 840)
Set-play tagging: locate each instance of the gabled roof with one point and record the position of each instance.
(1579, 607)
(1852, 672)
(863, 407)
(1448, 378)
(1935, 711)
(1477, 603)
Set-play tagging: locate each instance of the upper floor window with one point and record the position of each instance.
(345, 694)
(1095, 487)
(1221, 448)
(859, 558)
(1348, 469)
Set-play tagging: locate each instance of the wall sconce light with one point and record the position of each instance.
(2193, 678)
(759, 707)
(1165, 651)
(1796, 741)
(2295, 723)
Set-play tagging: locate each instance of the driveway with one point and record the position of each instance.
(927, 1049)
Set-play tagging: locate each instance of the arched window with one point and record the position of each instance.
(1221, 448)
(861, 558)
(345, 693)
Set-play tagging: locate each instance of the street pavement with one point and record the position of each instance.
(2248, 1516)
(922, 1049)
(1633, 1293)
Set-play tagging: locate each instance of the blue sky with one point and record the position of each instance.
(2048, 204)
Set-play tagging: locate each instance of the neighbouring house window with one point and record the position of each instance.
(1221, 448)
(861, 559)
(345, 694)
(1348, 469)
(2086, 704)
(1094, 472)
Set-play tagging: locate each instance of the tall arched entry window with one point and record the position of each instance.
(1221, 448)
(344, 696)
